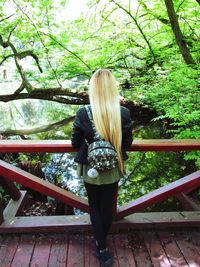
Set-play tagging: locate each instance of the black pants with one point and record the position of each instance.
(100, 198)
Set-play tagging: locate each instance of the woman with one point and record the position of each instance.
(114, 124)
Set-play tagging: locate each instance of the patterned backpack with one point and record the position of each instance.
(101, 153)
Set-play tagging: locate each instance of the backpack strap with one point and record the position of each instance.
(96, 134)
(89, 114)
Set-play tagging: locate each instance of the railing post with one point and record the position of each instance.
(187, 202)
(10, 188)
(1, 210)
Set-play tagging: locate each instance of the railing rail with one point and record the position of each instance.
(62, 146)
(10, 173)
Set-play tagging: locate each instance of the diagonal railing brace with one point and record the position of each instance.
(31, 181)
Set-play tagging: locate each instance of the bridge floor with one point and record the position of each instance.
(133, 248)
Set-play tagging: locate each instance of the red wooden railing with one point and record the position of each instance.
(159, 195)
(9, 173)
(65, 145)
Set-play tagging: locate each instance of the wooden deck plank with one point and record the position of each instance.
(8, 249)
(156, 252)
(141, 255)
(188, 249)
(123, 251)
(41, 251)
(112, 249)
(2, 248)
(24, 251)
(171, 249)
(90, 259)
(128, 248)
(59, 249)
(75, 257)
(195, 239)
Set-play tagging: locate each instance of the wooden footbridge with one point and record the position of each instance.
(137, 238)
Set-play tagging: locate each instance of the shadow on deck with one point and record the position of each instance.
(133, 248)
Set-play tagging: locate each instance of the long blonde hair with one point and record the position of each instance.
(104, 101)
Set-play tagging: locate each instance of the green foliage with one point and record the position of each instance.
(151, 171)
(176, 97)
(147, 171)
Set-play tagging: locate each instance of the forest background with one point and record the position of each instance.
(48, 52)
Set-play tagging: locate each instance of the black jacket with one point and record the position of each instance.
(82, 129)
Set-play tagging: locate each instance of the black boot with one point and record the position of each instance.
(105, 257)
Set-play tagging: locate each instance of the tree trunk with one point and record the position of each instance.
(177, 32)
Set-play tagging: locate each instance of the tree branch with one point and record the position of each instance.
(52, 94)
(158, 17)
(17, 62)
(7, 17)
(30, 54)
(24, 54)
(138, 26)
(38, 33)
(179, 6)
(44, 128)
(140, 113)
(5, 58)
(9, 36)
(68, 50)
(134, 169)
(20, 89)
